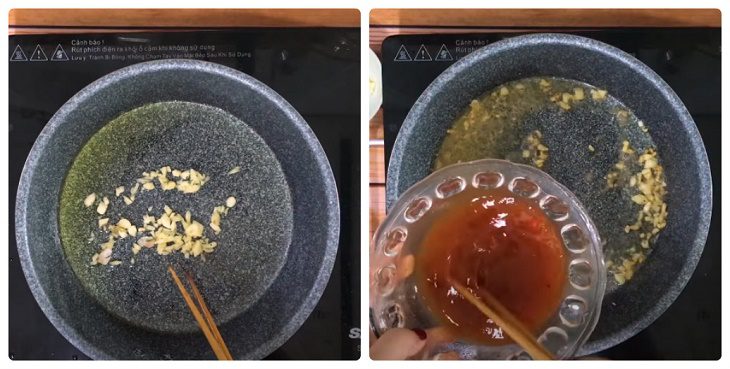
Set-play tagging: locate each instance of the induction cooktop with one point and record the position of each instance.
(316, 70)
(689, 61)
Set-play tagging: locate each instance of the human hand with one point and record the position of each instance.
(410, 344)
(397, 344)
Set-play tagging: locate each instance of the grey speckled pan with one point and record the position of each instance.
(277, 247)
(629, 308)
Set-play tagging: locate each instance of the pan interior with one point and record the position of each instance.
(584, 143)
(255, 236)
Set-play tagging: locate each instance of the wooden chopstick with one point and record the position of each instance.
(218, 350)
(209, 317)
(492, 308)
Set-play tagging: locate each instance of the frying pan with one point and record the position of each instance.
(278, 244)
(629, 308)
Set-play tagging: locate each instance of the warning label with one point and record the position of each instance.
(38, 54)
(402, 54)
(444, 54)
(18, 54)
(59, 54)
(422, 54)
(91, 50)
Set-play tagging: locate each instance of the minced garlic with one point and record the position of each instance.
(564, 100)
(533, 148)
(89, 200)
(650, 189)
(103, 205)
(187, 181)
(169, 232)
(598, 95)
(218, 213)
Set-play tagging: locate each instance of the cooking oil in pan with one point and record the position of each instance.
(243, 179)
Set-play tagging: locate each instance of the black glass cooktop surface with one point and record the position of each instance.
(316, 70)
(689, 61)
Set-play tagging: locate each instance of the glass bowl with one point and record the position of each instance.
(394, 297)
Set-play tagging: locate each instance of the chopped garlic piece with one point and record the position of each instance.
(194, 229)
(104, 257)
(578, 94)
(169, 186)
(567, 97)
(231, 202)
(639, 199)
(148, 219)
(188, 187)
(101, 209)
(146, 242)
(234, 170)
(118, 231)
(598, 95)
(124, 223)
(108, 244)
(89, 200)
(165, 221)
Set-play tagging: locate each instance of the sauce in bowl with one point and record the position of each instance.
(497, 242)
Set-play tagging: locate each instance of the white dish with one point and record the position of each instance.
(375, 84)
